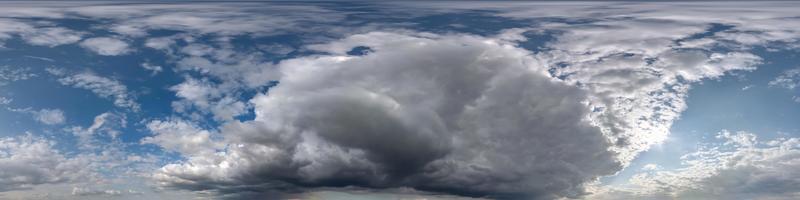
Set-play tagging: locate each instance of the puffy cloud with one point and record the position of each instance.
(101, 86)
(208, 97)
(458, 114)
(27, 160)
(106, 46)
(741, 167)
(182, 137)
(52, 36)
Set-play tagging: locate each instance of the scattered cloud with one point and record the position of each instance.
(740, 167)
(41, 34)
(29, 160)
(53, 36)
(45, 116)
(789, 79)
(9, 74)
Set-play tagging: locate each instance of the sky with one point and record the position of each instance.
(399, 100)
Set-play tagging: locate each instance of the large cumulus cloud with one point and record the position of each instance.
(458, 114)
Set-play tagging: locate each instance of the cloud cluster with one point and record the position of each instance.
(637, 77)
(182, 137)
(740, 168)
(9, 74)
(41, 34)
(789, 79)
(457, 114)
(29, 160)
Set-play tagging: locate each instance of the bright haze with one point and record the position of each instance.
(400, 100)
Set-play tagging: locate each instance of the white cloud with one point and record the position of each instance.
(740, 168)
(50, 116)
(9, 74)
(5, 101)
(106, 46)
(104, 124)
(53, 36)
(182, 137)
(28, 160)
(154, 69)
(101, 86)
(38, 33)
(651, 167)
(207, 97)
(32, 164)
(789, 79)
(160, 43)
(637, 78)
(45, 116)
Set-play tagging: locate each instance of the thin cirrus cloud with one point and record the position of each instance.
(423, 112)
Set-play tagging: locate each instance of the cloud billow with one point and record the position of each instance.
(454, 114)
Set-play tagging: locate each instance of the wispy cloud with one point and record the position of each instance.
(101, 86)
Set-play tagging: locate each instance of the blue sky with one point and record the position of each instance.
(399, 100)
